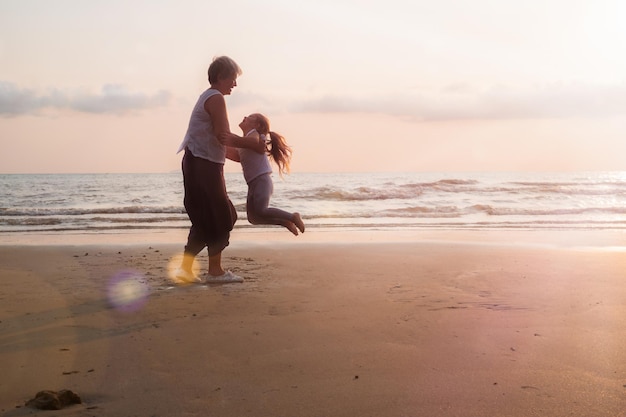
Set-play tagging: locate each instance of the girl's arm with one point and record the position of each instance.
(232, 154)
(215, 106)
(252, 141)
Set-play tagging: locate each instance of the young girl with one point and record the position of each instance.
(257, 171)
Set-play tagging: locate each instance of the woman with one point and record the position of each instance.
(257, 171)
(211, 212)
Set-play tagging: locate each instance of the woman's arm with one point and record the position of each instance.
(215, 106)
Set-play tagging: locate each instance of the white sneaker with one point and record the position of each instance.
(185, 277)
(226, 278)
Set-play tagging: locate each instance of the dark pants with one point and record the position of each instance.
(211, 212)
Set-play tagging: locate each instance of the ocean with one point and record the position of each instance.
(87, 203)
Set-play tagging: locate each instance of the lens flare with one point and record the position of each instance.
(127, 291)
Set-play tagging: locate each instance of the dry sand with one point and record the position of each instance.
(341, 325)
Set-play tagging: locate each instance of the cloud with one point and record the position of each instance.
(112, 99)
(460, 102)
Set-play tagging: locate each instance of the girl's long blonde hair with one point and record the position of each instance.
(277, 146)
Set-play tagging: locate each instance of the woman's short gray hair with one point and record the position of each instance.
(222, 67)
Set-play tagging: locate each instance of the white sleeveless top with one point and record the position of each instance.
(200, 138)
(254, 164)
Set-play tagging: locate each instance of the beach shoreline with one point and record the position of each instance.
(328, 323)
(611, 239)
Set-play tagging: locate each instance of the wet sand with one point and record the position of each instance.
(338, 324)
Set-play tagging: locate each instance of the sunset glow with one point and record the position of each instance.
(353, 85)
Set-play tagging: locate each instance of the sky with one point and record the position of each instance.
(107, 86)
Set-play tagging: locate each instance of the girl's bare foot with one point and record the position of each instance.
(292, 228)
(298, 222)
